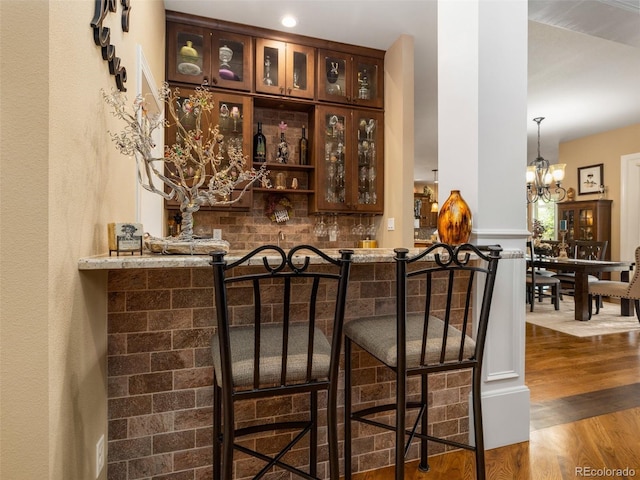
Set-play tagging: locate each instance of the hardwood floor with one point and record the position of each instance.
(585, 415)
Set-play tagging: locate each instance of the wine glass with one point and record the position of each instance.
(371, 229)
(334, 229)
(320, 228)
(358, 229)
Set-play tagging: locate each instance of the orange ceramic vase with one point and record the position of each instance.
(454, 220)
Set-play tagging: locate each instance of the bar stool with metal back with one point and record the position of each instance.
(276, 348)
(428, 334)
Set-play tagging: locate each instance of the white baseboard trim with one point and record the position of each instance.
(505, 415)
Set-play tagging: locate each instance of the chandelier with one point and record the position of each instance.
(541, 175)
(434, 206)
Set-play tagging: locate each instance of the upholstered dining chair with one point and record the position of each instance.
(612, 288)
(541, 285)
(276, 347)
(429, 333)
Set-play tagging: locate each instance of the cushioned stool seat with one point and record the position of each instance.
(242, 351)
(366, 333)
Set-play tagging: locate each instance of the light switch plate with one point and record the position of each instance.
(391, 224)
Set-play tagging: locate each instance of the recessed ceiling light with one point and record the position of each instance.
(289, 21)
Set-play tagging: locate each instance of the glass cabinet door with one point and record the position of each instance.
(232, 61)
(285, 69)
(586, 224)
(349, 160)
(189, 54)
(370, 169)
(368, 81)
(270, 66)
(334, 72)
(568, 215)
(332, 160)
(300, 68)
(232, 115)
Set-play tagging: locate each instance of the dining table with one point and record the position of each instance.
(582, 270)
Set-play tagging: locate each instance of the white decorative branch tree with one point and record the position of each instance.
(194, 169)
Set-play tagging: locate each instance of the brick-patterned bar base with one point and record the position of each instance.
(160, 322)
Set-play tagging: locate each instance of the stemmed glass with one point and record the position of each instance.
(371, 229)
(358, 228)
(320, 228)
(334, 229)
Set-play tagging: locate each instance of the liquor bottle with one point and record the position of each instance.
(283, 146)
(363, 80)
(304, 149)
(259, 146)
(283, 150)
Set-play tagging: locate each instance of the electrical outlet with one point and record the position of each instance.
(391, 224)
(99, 456)
(217, 234)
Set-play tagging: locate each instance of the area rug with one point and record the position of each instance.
(606, 322)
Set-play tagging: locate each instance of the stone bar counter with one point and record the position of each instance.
(160, 320)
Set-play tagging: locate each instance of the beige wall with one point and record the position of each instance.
(398, 145)
(605, 148)
(61, 182)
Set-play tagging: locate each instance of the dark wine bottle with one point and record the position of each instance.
(304, 149)
(283, 150)
(259, 146)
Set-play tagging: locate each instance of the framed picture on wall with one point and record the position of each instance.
(590, 178)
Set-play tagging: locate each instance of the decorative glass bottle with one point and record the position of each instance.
(188, 53)
(283, 146)
(259, 146)
(454, 220)
(304, 149)
(363, 81)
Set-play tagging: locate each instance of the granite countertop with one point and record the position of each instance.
(155, 260)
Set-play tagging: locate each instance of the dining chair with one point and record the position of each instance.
(612, 288)
(540, 285)
(582, 250)
(429, 333)
(270, 343)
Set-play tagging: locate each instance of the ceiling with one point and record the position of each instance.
(584, 58)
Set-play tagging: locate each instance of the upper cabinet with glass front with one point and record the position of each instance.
(232, 114)
(204, 56)
(349, 161)
(285, 69)
(351, 79)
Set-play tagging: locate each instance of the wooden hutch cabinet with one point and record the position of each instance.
(587, 220)
(274, 77)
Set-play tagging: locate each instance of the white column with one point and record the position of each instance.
(482, 110)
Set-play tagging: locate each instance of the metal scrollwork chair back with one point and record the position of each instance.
(278, 334)
(430, 333)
